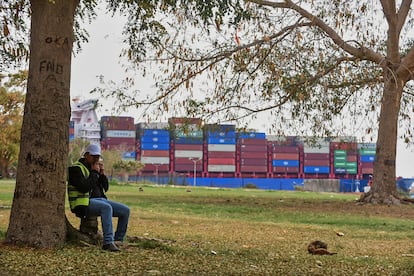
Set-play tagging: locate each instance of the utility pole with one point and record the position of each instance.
(195, 160)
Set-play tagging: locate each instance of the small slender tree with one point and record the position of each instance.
(11, 115)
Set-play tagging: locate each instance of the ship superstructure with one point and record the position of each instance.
(84, 121)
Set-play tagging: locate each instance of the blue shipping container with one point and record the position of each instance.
(314, 169)
(155, 146)
(129, 155)
(367, 158)
(220, 128)
(156, 132)
(155, 139)
(221, 134)
(189, 140)
(285, 163)
(228, 141)
(255, 135)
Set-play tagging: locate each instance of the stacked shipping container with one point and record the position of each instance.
(118, 133)
(184, 144)
(366, 158)
(71, 130)
(284, 157)
(252, 160)
(154, 147)
(221, 148)
(188, 144)
(316, 162)
(345, 158)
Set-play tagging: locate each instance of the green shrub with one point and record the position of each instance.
(250, 186)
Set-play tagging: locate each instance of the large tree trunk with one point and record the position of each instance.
(384, 188)
(37, 217)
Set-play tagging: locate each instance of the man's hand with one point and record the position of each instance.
(101, 168)
(96, 167)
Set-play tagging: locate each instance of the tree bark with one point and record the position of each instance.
(37, 217)
(384, 190)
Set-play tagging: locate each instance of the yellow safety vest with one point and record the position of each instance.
(77, 198)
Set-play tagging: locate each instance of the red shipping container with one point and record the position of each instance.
(285, 169)
(114, 145)
(184, 121)
(253, 168)
(348, 146)
(250, 141)
(188, 147)
(118, 141)
(285, 149)
(117, 123)
(187, 167)
(250, 154)
(316, 162)
(285, 156)
(352, 158)
(155, 153)
(367, 164)
(221, 161)
(262, 148)
(367, 170)
(153, 168)
(221, 154)
(253, 162)
(317, 156)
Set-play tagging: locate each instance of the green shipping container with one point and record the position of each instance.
(340, 153)
(351, 165)
(370, 152)
(352, 171)
(340, 164)
(340, 158)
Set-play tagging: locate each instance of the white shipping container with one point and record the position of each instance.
(324, 150)
(318, 146)
(221, 147)
(120, 134)
(189, 153)
(155, 160)
(367, 145)
(315, 150)
(276, 138)
(221, 168)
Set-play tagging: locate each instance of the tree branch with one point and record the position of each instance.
(406, 68)
(219, 57)
(402, 14)
(361, 52)
(388, 7)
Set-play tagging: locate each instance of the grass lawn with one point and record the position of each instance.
(232, 232)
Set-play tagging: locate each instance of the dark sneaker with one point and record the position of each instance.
(110, 247)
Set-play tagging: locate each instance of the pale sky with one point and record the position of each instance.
(101, 57)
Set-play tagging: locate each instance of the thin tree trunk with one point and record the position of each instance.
(37, 217)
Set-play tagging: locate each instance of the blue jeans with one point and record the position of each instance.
(107, 209)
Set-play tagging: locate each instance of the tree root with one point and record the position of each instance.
(377, 198)
(76, 236)
(135, 239)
